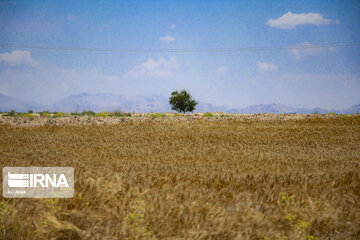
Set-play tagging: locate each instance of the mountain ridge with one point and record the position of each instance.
(8, 103)
(155, 103)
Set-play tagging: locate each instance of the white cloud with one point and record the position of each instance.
(221, 70)
(291, 20)
(307, 49)
(161, 67)
(172, 26)
(266, 67)
(17, 57)
(167, 38)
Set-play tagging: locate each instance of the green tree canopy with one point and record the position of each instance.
(182, 102)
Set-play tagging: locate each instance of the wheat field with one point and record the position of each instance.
(228, 179)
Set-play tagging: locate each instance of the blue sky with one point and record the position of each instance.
(327, 77)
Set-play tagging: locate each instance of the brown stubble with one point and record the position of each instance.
(191, 180)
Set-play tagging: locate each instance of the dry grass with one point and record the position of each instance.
(295, 179)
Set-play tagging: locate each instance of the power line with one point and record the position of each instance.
(188, 50)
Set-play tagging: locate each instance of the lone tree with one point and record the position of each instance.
(182, 102)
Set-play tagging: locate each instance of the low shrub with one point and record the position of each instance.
(208, 114)
(116, 114)
(61, 114)
(156, 115)
(102, 115)
(12, 113)
(88, 113)
(45, 114)
(119, 114)
(28, 115)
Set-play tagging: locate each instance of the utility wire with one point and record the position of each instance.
(188, 50)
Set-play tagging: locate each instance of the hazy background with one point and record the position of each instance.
(326, 77)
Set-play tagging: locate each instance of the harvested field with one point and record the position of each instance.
(36, 120)
(159, 178)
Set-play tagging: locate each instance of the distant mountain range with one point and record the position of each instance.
(8, 103)
(139, 103)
